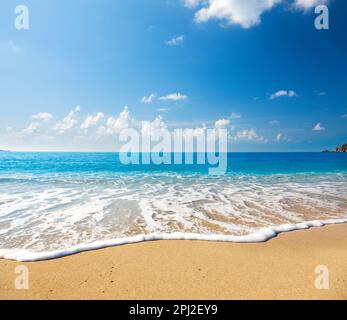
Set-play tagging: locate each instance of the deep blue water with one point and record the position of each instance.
(238, 163)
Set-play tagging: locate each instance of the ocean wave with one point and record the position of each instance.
(262, 235)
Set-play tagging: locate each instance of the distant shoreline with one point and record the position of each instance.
(340, 149)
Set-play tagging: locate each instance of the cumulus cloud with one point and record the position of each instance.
(318, 127)
(246, 13)
(92, 120)
(34, 127)
(153, 128)
(116, 124)
(43, 116)
(222, 123)
(249, 134)
(174, 97)
(240, 12)
(175, 41)
(283, 93)
(308, 4)
(148, 99)
(68, 122)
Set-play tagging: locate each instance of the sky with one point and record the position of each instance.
(85, 69)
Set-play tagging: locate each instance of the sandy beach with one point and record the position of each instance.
(283, 268)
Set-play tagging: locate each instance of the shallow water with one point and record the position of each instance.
(53, 204)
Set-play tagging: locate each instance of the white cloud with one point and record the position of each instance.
(191, 3)
(68, 122)
(274, 122)
(32, 128)
(283, 93)
(153, 128)
(344, 116)
(322, 93)
(115, 125)
(279, 137)
(318, 127)
(244, 13)
(308, 4)
(15, 48)
(174, 97)
(163, 109)
(249, 135)
(235, 116)
(92, 120)
(148, 99)
(43, 116)
(222, 123)
(175, 41)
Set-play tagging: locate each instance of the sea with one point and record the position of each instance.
(57, 204)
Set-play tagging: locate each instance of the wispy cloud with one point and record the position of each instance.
(174, 97)
(14, 47)
(249, 135)
(273, 122)
(43, 116)
(283, 93)
(163, 109)
(32, 128)
(344, 116)
(235, 115)
(11, 47)
(175, 41)
(148, 99)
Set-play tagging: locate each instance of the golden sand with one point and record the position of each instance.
(283, 268)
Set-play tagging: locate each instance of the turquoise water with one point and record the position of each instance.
(53, 204)
(238, 163)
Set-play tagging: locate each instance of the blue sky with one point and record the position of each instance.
(262, 70)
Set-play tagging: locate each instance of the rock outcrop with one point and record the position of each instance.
(342, 148)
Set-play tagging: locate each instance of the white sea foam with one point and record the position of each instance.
(262, 235)
(50, 217)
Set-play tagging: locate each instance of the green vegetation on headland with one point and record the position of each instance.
(342, 148)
